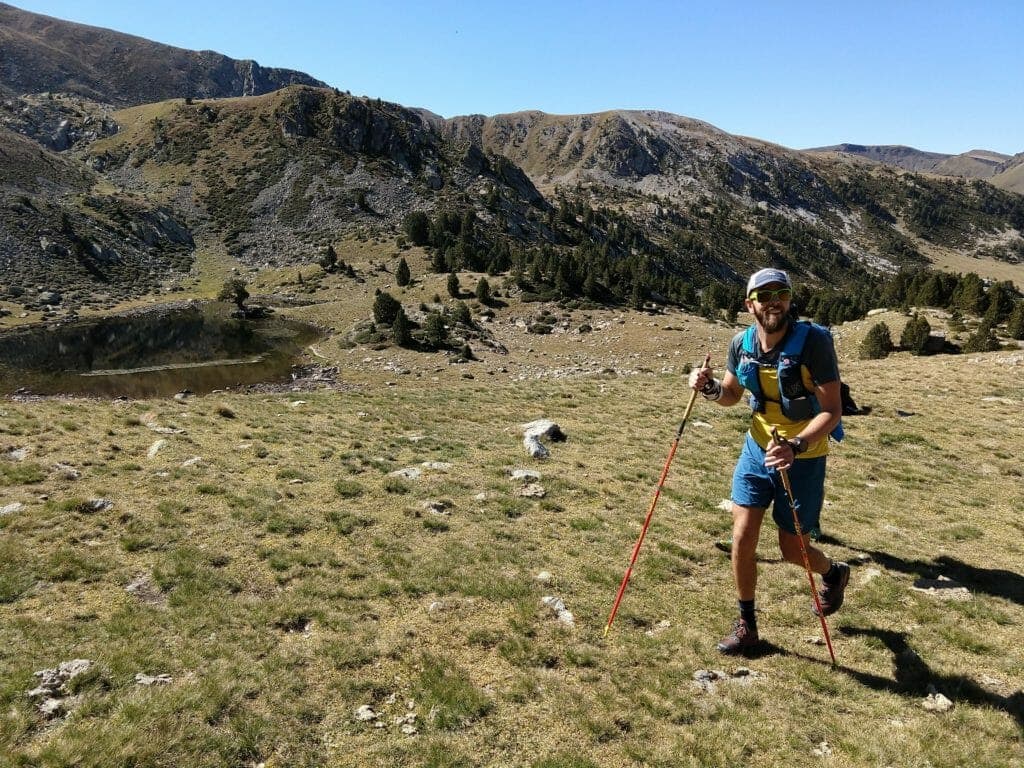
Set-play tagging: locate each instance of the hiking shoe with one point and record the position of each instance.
(831, 595)
(724, 545)
(741, 639)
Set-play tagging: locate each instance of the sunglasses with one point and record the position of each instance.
(762, 296)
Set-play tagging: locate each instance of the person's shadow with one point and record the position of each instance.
(913, 677)
(997, 582)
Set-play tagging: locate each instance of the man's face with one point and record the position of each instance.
(769, 309)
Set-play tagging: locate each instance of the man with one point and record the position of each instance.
(791, 371)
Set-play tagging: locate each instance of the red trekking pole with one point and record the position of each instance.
(803, 551)
(654, 502)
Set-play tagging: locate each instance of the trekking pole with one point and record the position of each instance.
(803, 550)
(654, 502)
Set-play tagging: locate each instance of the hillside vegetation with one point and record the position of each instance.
(350, 575)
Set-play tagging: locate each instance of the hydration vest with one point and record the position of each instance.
(798, 403)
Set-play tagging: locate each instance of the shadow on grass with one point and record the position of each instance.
(912, 677)
(992, 581)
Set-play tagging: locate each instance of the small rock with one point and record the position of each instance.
(658, 628)
(96, 505)
(10, 509)
(66, 472)
(525, 475)
(870, 574)
(942, 588)
(544, 577)
(532, 491)
(365, 714)
(438, 465)
(409, 473)
(154, 449)
(822, 750)
(555, 604)
(15, 454)
(191, 462)
(161, 679)
(936, 702)
(437, 507)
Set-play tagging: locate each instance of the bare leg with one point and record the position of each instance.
(746, 528)
(789, 545)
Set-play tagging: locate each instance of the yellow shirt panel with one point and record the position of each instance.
(762, 423)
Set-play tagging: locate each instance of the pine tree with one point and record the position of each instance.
(982, 340)
(235, 291)
(434, 332)
(915, 335)
(402, 275)
(483, 291)
(454, 290)
(416, 226)
(1015, 323)
(329, 259)
(385, 308)
(400, 328)
(877, 344)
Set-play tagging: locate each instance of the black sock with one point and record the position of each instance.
(747, 613)
(832, 574)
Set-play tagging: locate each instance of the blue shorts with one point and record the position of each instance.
(755, 485)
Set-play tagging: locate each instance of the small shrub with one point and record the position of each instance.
(915, 334)
(877, 344)
(348, 489)
(24, 473)
(396, 485)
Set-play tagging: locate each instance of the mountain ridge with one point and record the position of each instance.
(645, 202)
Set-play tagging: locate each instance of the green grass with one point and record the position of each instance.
(279, 608)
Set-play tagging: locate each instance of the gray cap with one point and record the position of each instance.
(766, 277)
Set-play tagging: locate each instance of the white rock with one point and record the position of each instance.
(409, 473)
(154, 449)
(144, 679)
(439, 465)
(544, 577)
(869, 575)
(555, 604)
(532, 491)
(66, 471)
(936, 702)
(822, 750)
(191, 462)
(364, 714)
(527, 475)
(10, 509)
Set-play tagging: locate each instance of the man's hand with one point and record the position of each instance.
(779, 455)
(703, 380)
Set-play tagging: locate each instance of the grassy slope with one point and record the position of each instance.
(295, 580)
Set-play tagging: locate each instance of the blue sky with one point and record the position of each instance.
(938, 76)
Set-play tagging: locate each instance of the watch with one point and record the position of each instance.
(798, 444)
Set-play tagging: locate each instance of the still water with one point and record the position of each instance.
(199, 347)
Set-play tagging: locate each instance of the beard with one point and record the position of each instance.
(771, 321)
